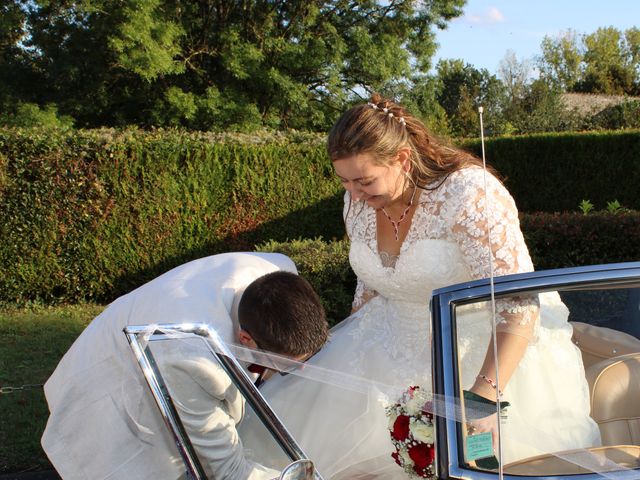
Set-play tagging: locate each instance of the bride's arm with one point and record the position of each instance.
(363, 295)
(516, 317)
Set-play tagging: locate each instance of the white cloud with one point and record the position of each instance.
(489, 16)
(494, 15)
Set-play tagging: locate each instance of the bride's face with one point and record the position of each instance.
(378, 185)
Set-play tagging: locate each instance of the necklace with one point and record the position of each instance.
(396, 224)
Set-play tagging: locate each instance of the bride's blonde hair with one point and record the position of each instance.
(382, 127)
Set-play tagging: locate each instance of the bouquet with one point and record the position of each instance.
(412, 433)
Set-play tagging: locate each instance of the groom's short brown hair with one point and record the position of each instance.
(283, 314)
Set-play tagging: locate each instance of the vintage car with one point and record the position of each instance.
(604, 310)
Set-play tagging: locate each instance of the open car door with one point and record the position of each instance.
(603, 304)
(195, 380)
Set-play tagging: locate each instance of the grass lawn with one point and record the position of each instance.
(32, 341)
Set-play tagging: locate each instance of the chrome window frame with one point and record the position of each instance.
(232, 367)
(444, 352)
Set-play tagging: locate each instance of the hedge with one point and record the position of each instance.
(557, 240)
(554, 172)
(93, 214)
(90, 215)
(326, 266)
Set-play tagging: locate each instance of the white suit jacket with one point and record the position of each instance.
(103, 421)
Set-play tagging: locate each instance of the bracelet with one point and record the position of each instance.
(492, 383)
(482, 407)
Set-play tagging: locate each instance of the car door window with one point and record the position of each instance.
(204, 408)
(570, 406)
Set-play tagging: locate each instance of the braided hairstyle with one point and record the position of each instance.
(381, 128)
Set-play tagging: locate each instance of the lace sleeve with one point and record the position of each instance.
(472, 214)
(363, 293)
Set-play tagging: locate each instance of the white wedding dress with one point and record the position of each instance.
(387, 341)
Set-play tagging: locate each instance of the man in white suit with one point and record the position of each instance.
(104, 423)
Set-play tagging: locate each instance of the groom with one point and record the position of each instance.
(104, 423)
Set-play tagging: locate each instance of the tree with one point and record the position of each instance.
(607, 70)
(12, 18)
(223, 64)
(632, 55)
(420, 97)
(560, 61)
(30, 115)
(12, 31)
(515, 76)
(542, 110)
(606, 61)
(461, 90)
(632, 49)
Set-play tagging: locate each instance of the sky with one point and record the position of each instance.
(487, 29)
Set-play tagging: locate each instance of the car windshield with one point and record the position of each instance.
(343, 422)
(201, 392)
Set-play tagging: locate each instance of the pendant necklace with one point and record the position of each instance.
(396, 224)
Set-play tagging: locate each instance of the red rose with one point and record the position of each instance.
(396, 457)
(401, 428)
(421, 455)
(420, 471)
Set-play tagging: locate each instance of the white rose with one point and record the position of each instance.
(414, 405)
(421, 432)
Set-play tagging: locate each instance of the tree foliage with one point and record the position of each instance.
(461, 90)
(202, 64)
(246, 65)
(30, 115)
(606, 61)
(560, 61)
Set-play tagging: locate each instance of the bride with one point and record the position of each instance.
(417, 220)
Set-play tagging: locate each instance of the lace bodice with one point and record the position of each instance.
(447, 242)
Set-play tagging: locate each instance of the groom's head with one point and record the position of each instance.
(281, 313)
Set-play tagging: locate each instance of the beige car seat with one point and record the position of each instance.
(599, 343)
(612, 362)
(615, 398)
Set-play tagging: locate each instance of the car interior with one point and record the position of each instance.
(611, 359)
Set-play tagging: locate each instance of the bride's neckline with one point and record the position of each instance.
(387, 259)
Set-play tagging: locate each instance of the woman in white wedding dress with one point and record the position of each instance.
(417, 218)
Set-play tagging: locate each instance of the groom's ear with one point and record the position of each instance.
(246, 339)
